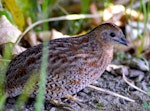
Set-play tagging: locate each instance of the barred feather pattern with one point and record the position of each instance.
(73, 64)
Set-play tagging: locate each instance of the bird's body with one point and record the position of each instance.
(73, 64)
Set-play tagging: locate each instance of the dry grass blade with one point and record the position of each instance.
(68, 17)
(111, 93)
(125, 79)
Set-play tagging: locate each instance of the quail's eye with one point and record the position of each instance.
(112, 34)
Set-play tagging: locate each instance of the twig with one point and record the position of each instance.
(130, 84)
(124, 77)
(67, 17)
(111, 93)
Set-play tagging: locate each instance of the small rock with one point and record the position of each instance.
(144, 87)
(86, 90)
(135, 73)
(122, 101)
(140, 78)
(132, 89)
(141, 64)
(53, 109)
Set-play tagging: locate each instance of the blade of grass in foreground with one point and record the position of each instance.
(41, 91)
(2, 93)
(34, 78)
(27, 90)
(3, 68)
(39, 105)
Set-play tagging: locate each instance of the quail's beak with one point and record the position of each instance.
(122, 40)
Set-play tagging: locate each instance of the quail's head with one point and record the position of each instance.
(110, 33)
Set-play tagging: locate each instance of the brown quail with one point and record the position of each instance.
(73, 63)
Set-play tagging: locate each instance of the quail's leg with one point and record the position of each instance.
(58, 103)
(74, 99)
(62, 105)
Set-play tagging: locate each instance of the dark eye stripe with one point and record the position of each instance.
(112, 34)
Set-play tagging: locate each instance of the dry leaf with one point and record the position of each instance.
(8, 32)
(93, 10)
(56, 34)
(49, 35)
(134, 15)
(32, 38)
(117, 69)
(17, 50)
(112, 14)
(44, 35)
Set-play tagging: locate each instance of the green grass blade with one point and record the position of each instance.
(42, 83)
(27, 90)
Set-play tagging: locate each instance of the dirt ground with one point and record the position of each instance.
(92, 100)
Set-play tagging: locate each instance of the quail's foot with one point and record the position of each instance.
(58, 103)
(76, 100)
(68, 102)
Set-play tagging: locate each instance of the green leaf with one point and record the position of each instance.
(53, 2)
(85, 4)
(2, 102)
(8, 15)
(145, 105)
(148, 92)
(29, 8)
(42, 83)
(16, 13)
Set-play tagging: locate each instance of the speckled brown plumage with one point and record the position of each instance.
(73, 63)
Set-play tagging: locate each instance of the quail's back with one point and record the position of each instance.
(73, 63)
